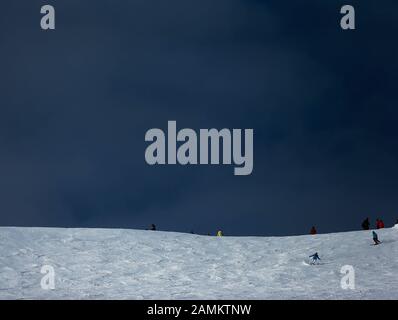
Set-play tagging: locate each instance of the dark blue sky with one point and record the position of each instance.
(76, 103)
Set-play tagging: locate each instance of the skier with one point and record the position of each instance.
(366, 224)
(376, 238)
(315, 258)
(313, 230)
(219, 233)
(152, 227)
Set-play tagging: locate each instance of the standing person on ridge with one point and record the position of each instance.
(219, 233)
(366, 224)
(379, 224)
(313, 231)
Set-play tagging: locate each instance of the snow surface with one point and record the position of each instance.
(132, 264)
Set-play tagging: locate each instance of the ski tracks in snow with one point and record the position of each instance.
(132, 264)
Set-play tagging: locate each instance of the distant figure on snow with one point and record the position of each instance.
(379, 224)
(313, 230)
(219, 233)
(366, 224)
(152, 227)
(376, 238)
(315, 258)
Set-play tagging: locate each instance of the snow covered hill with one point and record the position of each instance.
(132, 264)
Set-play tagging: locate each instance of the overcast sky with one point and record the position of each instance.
(76, 104)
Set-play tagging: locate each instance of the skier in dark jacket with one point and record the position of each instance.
(313, 230)
(152, 227)
(315, 257)
(376, 238)
(366, 224)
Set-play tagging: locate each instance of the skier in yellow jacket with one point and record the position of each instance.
(219, 233)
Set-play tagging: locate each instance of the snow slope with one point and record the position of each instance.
(132, 264)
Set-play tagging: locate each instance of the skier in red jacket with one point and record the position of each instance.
(379, 224)
(313, 230)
